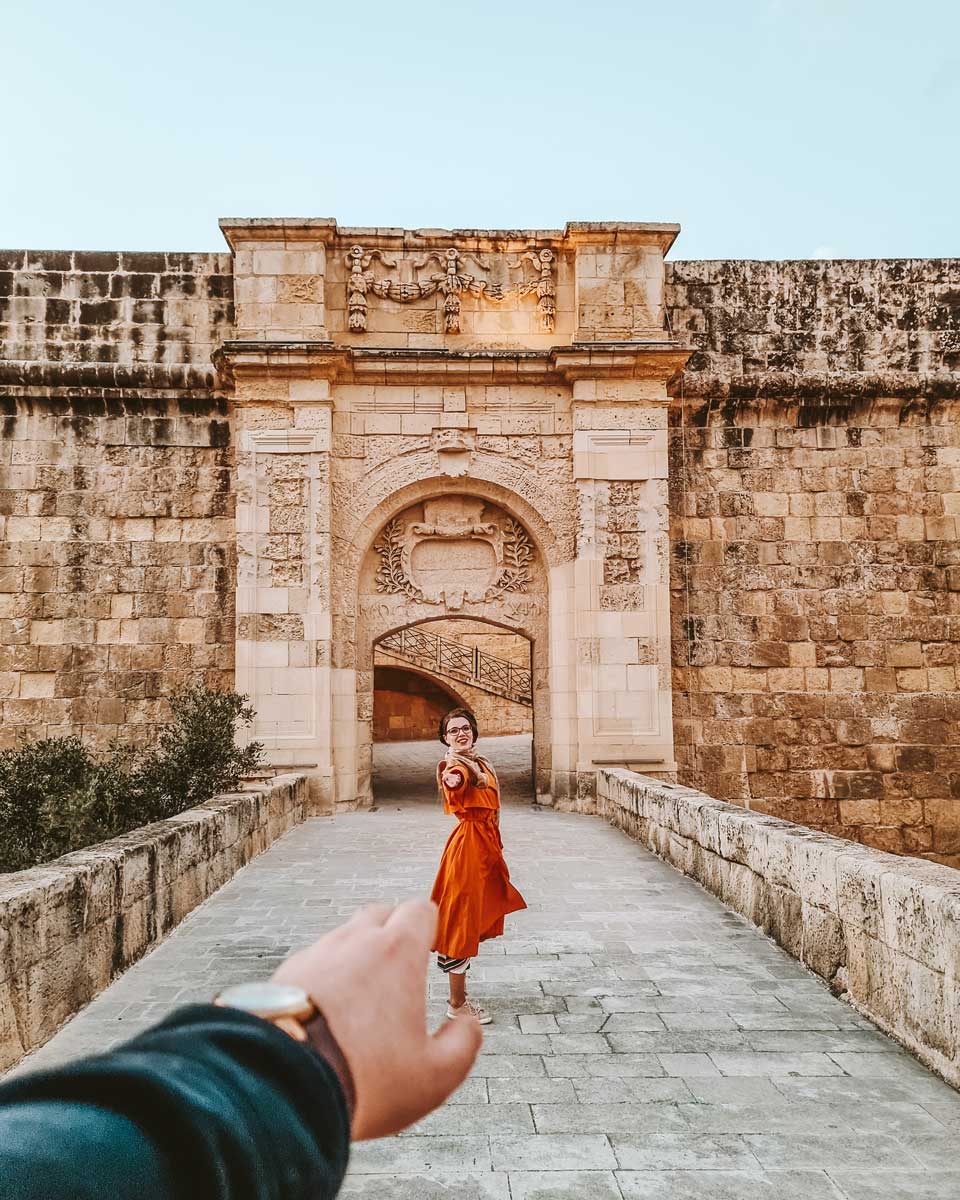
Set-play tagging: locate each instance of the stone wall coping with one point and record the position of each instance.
(815, 390)
(882, 929)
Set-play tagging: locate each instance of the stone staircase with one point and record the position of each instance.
(466, 664)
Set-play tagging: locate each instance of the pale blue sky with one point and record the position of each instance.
(767, 128)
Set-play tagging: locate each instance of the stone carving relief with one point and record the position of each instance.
(450, 281)
(298, 289)
(454, 449)
(543, 286)
(454, 555)
(359, 283)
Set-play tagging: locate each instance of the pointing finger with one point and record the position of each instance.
(414, 919)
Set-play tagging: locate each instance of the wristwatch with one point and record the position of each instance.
(291, 1009)
(281, 1004)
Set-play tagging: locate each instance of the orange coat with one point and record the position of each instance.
(472, 890)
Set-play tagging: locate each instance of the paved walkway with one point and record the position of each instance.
(648, 1044)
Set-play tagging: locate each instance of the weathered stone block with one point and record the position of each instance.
(823, 945)
(859, 872)
(910, 900)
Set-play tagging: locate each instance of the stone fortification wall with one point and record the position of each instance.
(883, 933)
(814, 501)
(815, 576)
(117, 551)
(117, 539)
(100, 319)
(74, 924)
(818, 333)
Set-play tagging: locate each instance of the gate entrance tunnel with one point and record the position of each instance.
(423, 671)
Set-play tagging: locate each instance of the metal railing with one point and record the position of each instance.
(466, 663)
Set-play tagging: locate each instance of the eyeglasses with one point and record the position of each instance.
(459, 729)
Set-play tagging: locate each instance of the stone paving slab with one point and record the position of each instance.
(647, 1045)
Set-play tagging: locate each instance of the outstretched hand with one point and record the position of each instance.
(368, 978)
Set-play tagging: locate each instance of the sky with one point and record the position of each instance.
(765, 128)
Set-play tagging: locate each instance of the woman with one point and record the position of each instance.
(472, 890)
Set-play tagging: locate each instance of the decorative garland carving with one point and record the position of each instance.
(517, 551)
(451, 282)
(359, 283)
(511, 543)
(542, 287)
(391, 574)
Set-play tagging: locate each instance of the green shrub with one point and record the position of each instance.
(55, 796)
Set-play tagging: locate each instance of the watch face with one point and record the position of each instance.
(267, 999)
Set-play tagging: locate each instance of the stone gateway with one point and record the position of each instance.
(718, 499)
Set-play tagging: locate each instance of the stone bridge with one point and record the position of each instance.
(648, 1042)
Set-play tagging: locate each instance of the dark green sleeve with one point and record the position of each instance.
(212, 1104)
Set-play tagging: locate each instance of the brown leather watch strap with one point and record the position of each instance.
(326, 1045)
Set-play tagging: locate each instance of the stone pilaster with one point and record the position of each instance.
(284, 656)
(279, 277)
(622, 618)
(619, 280)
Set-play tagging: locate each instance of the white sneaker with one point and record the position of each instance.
(474, 1010)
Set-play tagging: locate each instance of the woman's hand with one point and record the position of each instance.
(452, 780)
(369, 979)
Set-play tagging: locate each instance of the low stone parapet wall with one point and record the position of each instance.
(883, 931)
(69, 927)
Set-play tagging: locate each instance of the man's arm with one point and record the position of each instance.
(216, 1104)
(212, 1103)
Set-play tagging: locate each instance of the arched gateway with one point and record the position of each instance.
(436, 425)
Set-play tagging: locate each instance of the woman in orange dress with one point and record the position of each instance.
(472, 890)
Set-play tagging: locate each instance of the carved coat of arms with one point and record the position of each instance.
(454, 555)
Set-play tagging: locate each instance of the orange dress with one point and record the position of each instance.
(472, 890)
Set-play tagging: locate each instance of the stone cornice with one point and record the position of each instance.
(621, 360)
(656, 361)
(620, 232)
(280, 360)
(300, 231)
(240, 231)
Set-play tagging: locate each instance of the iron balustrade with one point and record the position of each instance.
(466, 663)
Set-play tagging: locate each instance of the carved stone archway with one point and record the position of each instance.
(450, 555)
(375, 371)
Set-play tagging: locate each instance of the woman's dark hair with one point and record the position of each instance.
(458, 712)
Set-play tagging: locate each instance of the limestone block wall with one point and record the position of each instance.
(73, 925)
(815, 593)
(117, 540)
(63, 311)
(818, 331)
(883, 932)
(490, 639)
(407, 706)
(117, 552)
